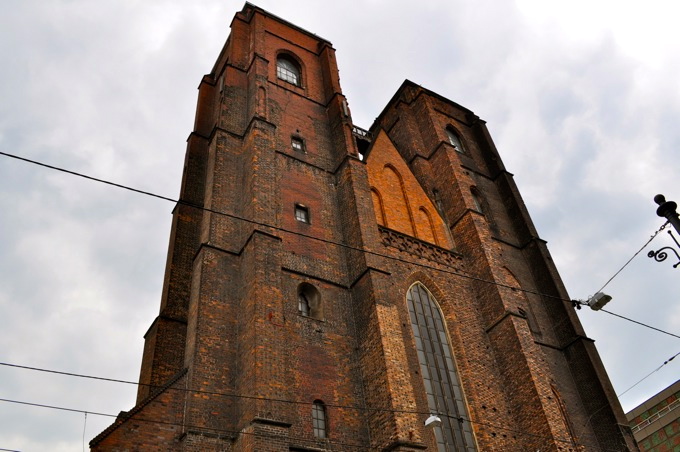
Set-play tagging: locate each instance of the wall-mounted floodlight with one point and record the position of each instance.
(596, 302)
(433, 421)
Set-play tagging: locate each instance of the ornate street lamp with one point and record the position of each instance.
(668, 210)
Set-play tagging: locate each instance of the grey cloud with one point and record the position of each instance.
(109, 88)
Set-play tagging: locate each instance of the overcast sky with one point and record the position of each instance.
(582, 99)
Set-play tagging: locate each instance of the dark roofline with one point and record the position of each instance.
(248, 5)
(654, 400)
(409, 84)
(246, 14)
(125, 416)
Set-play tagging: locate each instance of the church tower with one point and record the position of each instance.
(332, 288)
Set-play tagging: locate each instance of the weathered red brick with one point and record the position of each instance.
(233, 365)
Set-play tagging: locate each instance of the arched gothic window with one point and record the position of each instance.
(454, 140)
(309, 301)
(440, 375)
(303, 304)
(564, 413)
(319, 423)
(288, 70)
(476, 198)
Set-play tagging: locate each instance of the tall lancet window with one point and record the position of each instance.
(440, 376)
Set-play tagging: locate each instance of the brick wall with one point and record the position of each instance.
(242, 365)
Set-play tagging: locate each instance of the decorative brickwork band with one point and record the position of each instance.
(418, 248)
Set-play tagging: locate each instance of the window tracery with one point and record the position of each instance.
(439, 372)
(288, 70)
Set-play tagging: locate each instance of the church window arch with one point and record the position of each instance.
(438, 201)
(477, 200)
(398, 208)
(425, 225)
(454, 140)
(525, 309)
(564, 413)
(379, 207)
(297, 144)
(309, 301)
(261, 102)
(438, 369)
(288, 69)
(319, 419)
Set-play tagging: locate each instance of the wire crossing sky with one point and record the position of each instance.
(287, 231)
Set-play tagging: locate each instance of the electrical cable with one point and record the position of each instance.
(634, 256)
(347, 407)
(213, 393)
(85, 176)
(649, 374)
(277, 228)
(268, 399)
(330, 241)
(233, 432)
(177, 424)
(200, 391)
(640, 323)
(640, 381)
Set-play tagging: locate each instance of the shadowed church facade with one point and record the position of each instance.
(330, 288)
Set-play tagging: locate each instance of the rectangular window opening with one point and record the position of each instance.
(297, 144)
(301, 213)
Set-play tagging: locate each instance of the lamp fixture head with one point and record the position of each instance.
(433, 421)
(597, 301)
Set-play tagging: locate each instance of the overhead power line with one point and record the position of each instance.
(95, 179)
(640, 323)
(634, 255)
(330, 242)
(288, 438)
(649, 374)
(177, 424)
(268, 399)
(330, 405)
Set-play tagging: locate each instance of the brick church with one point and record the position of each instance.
(334, 288)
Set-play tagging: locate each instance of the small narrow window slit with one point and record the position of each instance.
(319, 419)
(301, 213)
